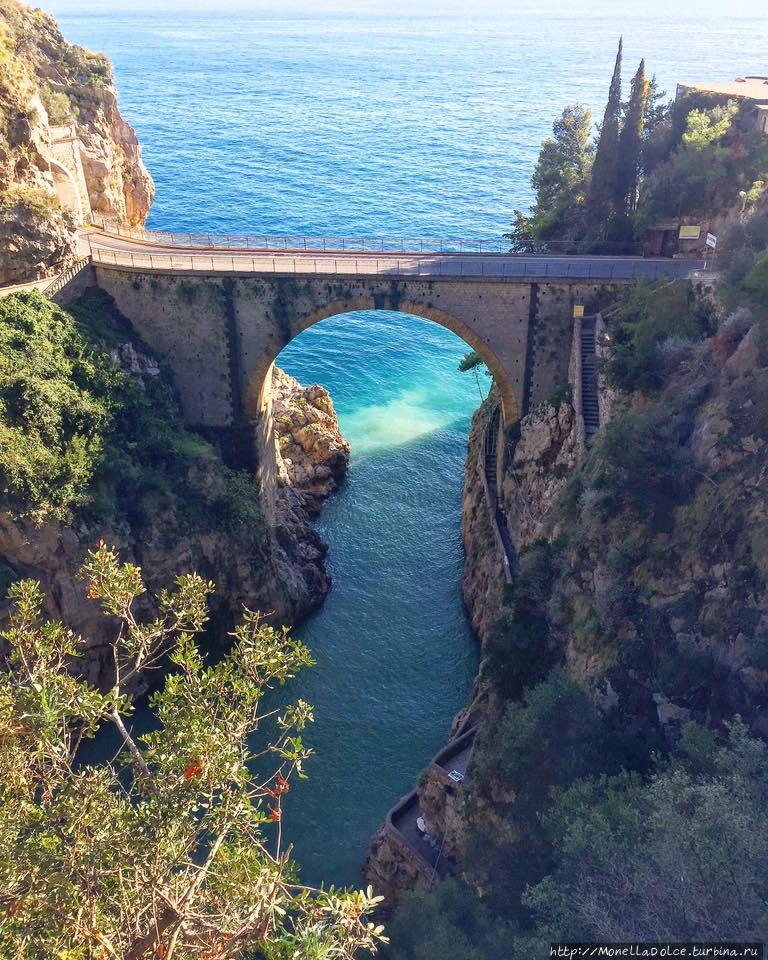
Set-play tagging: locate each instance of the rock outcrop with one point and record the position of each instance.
(312, 455)
(65, 149)
(391, 867)
(278, 570)
(483, 578)
(545, 457)
(285, 580)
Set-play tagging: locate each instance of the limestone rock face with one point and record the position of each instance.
(119, 185)
(483, 578)
(65, 149)
(33, 241)
(279, 571)
(312, 455)
(392, 868)
(545, 456)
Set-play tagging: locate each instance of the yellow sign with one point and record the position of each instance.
(578, 310)
(689, 233)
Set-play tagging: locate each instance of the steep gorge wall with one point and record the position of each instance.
(276, 568)
(65, 148)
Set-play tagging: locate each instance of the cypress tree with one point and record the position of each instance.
(631, 143)
(602, 191)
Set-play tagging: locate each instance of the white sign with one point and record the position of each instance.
(711, 240)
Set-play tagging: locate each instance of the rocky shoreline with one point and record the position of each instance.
(312, 455)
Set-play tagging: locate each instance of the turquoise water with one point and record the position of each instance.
(378, 125)
(394, 655)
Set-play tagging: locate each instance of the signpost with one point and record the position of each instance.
(711, 245)
(689, 232)
(578, 310)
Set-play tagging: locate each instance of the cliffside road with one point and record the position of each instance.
(145, 254)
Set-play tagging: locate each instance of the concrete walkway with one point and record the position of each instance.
(23, 287)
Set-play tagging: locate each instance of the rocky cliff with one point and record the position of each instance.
(65, 149)
(158, 492)
(312, 455)
(643, 572)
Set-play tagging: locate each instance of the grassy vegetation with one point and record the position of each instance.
(81, 438)
(22, 200)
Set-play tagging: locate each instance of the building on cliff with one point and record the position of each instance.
(750, 90)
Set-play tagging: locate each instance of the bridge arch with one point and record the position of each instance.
(258, 390)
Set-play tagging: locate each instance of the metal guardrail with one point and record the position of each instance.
(299, 243)
(358, 244)
(405, 266)
(58, 283)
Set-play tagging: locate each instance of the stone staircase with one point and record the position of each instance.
(490, 458)
(490, 452)
(590, 408)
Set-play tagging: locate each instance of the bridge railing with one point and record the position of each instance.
(254, 241)
(290, 243)
(409, 265)
(58, 283)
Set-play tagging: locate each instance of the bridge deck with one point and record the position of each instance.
(133, 253)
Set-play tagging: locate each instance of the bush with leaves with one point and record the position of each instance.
(682, 856)
(643, 318)
(79, 436)
(173, 850)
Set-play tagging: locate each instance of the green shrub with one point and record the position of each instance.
(646, 317)
(34, 201)
(79, 436)
(621, 846)
(57, 400)
(563, 393)
(686, 672)
(520, 649)
(237, 508)
(553, 731)
(644, 463)
(756, 281)
(57, 105)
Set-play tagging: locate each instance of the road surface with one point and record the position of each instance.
(141, 254)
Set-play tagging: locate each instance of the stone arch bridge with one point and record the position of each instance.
(220, 316)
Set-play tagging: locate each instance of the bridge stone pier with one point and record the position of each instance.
(221, 335)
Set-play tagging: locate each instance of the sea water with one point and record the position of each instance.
(378, 125)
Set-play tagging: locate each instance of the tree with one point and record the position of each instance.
(521, 239)
(560, 180)
(703, 173)
(472, 361)
(564, 159)
(657, 127)
(681, 857)
(601, 203)
(630, 143)
(173, 850)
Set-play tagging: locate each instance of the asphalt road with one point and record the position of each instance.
(125, 251)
